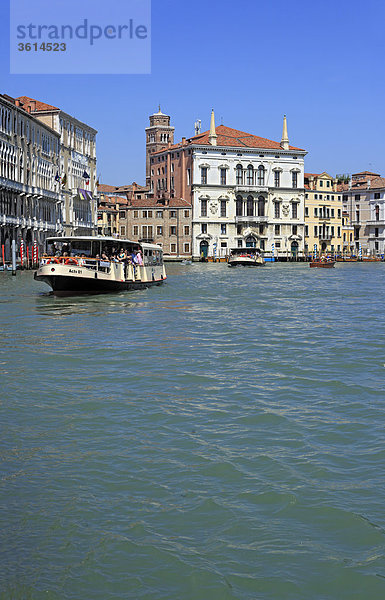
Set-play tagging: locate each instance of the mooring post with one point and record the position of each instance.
(13, 257)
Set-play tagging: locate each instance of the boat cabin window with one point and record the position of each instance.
(152, 257)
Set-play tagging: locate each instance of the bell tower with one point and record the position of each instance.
(158, 135)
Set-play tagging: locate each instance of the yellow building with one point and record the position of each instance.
(323, 215)
(347, 235)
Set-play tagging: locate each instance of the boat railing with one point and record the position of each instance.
(94, 264)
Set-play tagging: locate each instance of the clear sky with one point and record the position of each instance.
(321, 63)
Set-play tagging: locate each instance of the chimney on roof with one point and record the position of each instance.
(28, 108)
(212, 134)
(183, 141)
(17, 102)
(33, 104)
(369, 183)
(285, 137)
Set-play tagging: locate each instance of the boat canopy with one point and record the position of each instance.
(90, 246)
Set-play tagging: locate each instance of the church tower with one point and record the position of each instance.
(158, 135)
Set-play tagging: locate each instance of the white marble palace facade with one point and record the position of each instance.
(246, 191)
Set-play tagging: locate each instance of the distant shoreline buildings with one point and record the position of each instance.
(204, 195)
(47, 173)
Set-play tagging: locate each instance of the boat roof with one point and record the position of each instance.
(245, 248)
(101, 238)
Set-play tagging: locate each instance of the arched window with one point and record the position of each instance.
(250, 175)
(239, 206)
(261, 206)
(261, 175)
(239, 174)
(250, 206)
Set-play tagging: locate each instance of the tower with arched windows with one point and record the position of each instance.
(158, 135)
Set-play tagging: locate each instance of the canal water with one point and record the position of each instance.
(219, 437)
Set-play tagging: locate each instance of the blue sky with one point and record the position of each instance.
(321, 63)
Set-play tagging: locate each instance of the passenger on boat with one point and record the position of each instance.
(139, 258)
(105, 256)
(122, 255)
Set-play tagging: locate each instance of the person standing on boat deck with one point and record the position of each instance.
(139, 258)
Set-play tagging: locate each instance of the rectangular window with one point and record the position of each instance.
(188, 176)
(172, 230)
(223, 176)
(294, 210)
(122, 214)
(159, 230)
(136, 214)
(203, 227)
(321, 183)
(316, 211)
(144, 214)
(204, 175)
(159, 214)
(223, 208)
(376, 195)
(294, 229)
(223, 229)
(306, 230)
(376, 232)
(328, 183)
(149, 214)
(186, 214)
(294, 179)
(339, 213)
(173, 248)
(277, 178)
(136, 230)
(186, 230)
(277, 210)
(315, 230)
(332, 213)
(357, 197)
(332, 230)
(338, 231)
(172, 214)
(186, 248)
(203, 208)
(123, 230)
(277, 229)
(306, 211)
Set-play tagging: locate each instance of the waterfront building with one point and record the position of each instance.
(245, 190)
(363, 201)
(158, 135)
(30, 197)
(166, 222)
(323, 215)
(348, 244)
(110, 209)
(77, 166)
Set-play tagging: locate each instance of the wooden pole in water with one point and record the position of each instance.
(2, 252)
(13, 257)
(27, 256)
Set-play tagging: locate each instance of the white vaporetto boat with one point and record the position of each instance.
(249, 257)
(91, 265)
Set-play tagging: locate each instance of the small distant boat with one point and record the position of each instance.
(6, 267)
(186, 262)
(246, 257)
(322, 264)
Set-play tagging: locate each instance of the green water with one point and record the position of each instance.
(219, 437)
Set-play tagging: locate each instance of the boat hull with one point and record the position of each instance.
(321, 265)
(69, 286)
(246, 262)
